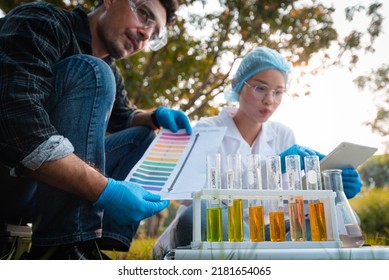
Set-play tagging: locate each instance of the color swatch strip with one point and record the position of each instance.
(161, 160)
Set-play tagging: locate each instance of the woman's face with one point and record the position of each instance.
(261, 95)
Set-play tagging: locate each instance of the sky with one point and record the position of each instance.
(336, 110)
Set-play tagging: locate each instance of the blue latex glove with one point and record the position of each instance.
(352, 182)
(128, 203)
(172, 119)
(302, 151)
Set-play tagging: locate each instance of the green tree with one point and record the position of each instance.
(377, 81)
(192, 73)
(194, 68)
(375, 171)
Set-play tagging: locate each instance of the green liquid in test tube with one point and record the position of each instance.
(214, 224)
(235, 205)
(214, 212)
(298, 231)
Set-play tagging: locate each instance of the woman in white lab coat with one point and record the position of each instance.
(258, 85)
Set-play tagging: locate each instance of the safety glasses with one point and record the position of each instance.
(261, 91)
(146, 16)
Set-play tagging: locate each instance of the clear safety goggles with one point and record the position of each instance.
(261, 91)
(146, 16)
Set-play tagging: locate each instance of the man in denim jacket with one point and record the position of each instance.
(60, 92)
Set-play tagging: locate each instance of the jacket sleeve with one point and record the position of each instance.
(31, 41)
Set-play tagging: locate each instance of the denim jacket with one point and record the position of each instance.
(33, 38)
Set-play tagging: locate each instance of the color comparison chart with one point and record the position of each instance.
(154, 170)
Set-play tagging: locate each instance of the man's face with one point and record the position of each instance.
(126, 27)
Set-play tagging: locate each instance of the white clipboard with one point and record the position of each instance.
(347, 155)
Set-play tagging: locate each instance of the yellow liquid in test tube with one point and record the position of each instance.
(235, 221)
(317, 221)
(297, 220)
(256, 223)
(231, 218)
(214, 224)
(277, 226)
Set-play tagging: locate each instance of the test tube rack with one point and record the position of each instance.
(325, 196)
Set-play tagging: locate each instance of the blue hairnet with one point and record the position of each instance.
(255, 61)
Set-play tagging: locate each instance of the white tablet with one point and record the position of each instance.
(347, 155)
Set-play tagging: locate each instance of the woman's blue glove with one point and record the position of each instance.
(302, 151)
(352, 182)
(171, 119)
(127, 202)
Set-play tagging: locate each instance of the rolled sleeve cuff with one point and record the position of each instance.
(54, 148)
(131, 119)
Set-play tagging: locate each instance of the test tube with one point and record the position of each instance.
(276, 213)
(256, 209)
(235, 205)
(298, 231)
(316, 208)
(214, 211)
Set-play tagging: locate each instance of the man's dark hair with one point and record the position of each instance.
(170, 6)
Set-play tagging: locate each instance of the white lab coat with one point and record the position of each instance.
(273, 139)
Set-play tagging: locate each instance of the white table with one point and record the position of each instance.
(363, 253)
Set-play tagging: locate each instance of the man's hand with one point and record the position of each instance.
(127, 202)
(172, 119)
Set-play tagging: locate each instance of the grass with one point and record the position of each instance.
(372, 207)
(140, 250)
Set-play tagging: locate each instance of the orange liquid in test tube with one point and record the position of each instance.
(257, 223)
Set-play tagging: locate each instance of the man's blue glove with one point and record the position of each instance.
(171, 119)
(128, 203)
(298, 150)
(352, 182)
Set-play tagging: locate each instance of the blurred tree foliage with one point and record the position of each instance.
(195, 66)
(377, 81)
(372, 207)
(375, 171)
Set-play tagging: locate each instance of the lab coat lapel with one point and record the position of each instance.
(233, 137)
(265, 143)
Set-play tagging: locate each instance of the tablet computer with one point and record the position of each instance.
(347, 155)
